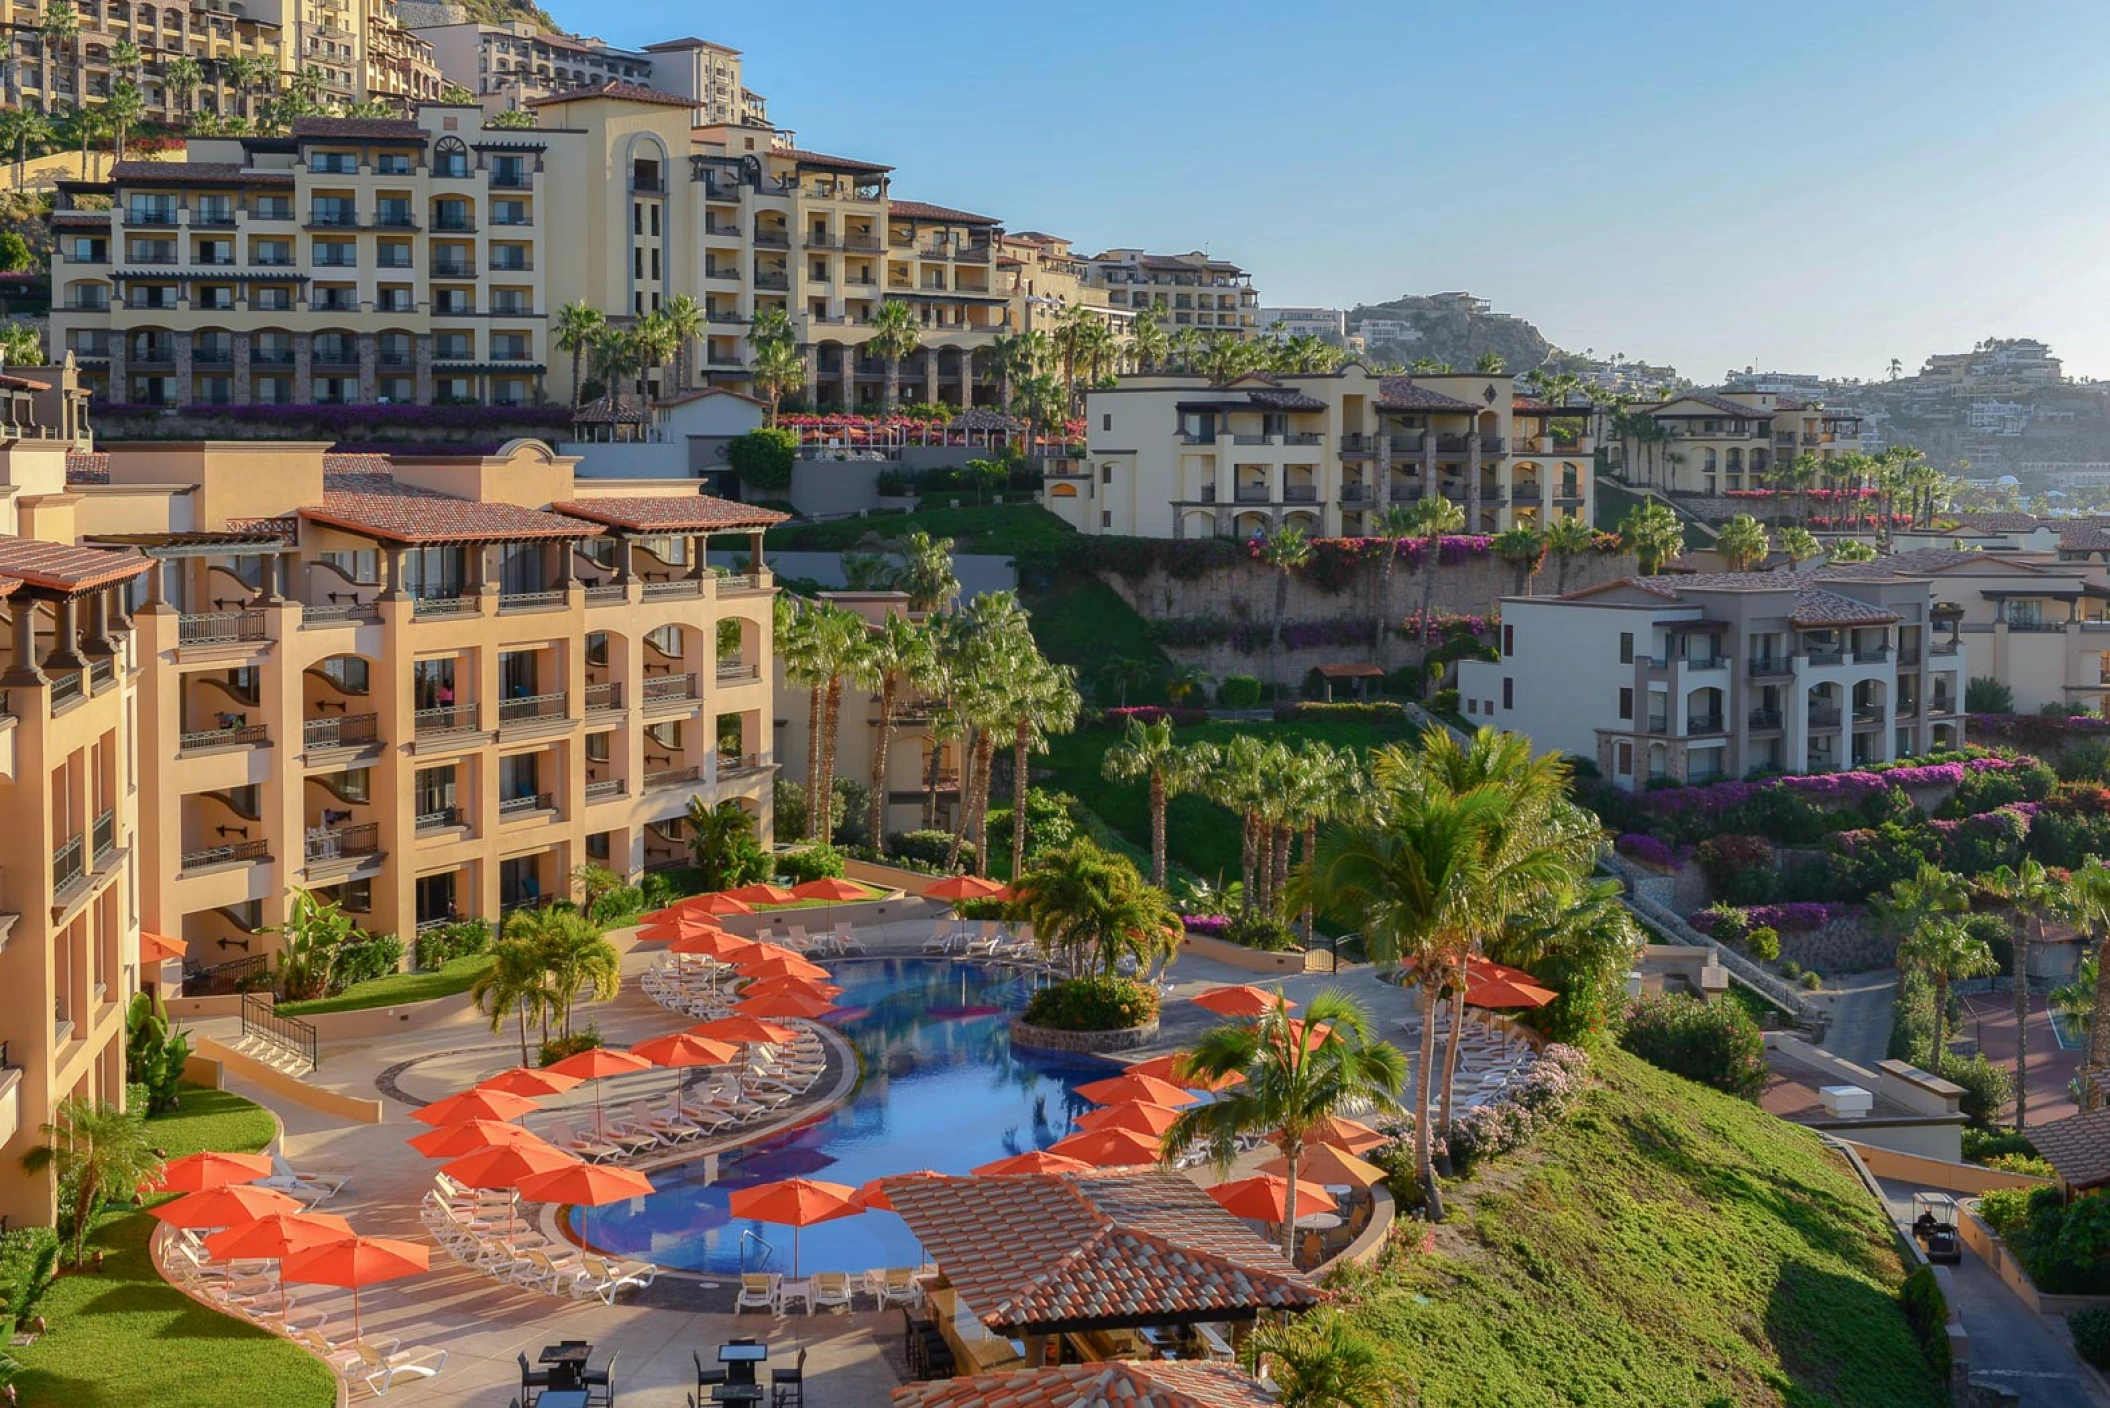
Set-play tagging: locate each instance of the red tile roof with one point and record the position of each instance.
(2077, 1146)
(1399, 393)
(832, 163)
(1814, 606)
(613, 88)
(1134, 1247)
(1114, 1383)
(1719, 403)
(87, 467)
(924, 210)
(395, 513)
(61, 567)
(194, 173)
(670, 513)
(359, 129)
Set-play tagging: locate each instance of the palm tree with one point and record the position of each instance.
(2090, 893)
(2075, 1001)
(657, 345)
(683, 318)
(1389, 527)
(517, 982)
(1323, 1361)
(1073, 331)
(926, 571)
(97, 1152)
(87, 125)
(1148, 343)
(774, 360)
(1524, 548)
(20, 345)
(1038, 401)
(1093, 907)
(722, 844)
(1567, 539)
(1040, 698)
(1236, 784)
(574, 954)
(617, 356)
(1491, 363)
(2036, 897)
(1148, 751)
(1743, 543)
(1799, 543)
(1945, 951)
(122, 109)
(799, 652)
(895, 333)
(1223, 358)
(839, 645)
(898, 657)
(60, 30)
(19, 127)
(1294, 1080)
(125, 57)
(1286, 550)
(1007, 356)
(580, 327)
(183, 76)
(1433, 517)
(1653, 534)
(1913, 900)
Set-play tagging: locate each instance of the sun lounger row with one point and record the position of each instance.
(832, 1290)
(982, 938)
(496, 1238)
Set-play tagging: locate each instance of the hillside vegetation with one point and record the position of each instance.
(1665, 1245)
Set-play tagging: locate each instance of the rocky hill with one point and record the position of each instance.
(1450, 327)
(438, 12)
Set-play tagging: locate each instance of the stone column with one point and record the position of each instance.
(23, 669)
(65, 642)
(849, 377)
(421, 361)
(267, 580)
(930, 374)
(1431, 476)
(244, 389)
(98, 640)
(184, 391)
(1381, 491)
(392, 588)
(810, 353)
(120, 372)
(369, 368)
(303, 369)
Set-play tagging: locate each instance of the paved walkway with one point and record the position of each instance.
(1859, 1030)
(1990, 1018)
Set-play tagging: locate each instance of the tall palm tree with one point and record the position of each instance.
(1653, 534)
(1799, 543)
(1323, 1361)
(617, 356)
(1040, 698)
(1743, 543)
(1567, 539)
(1008, 356)
(1038, 401)
(574, 954)
(840, 642)
(722, 844)
(1148, 343)
(2090, 893)
(1523, 548)
(2037, 897)
(1094, 909)
(1434, 516)
(898, 659)
(87, 125)
(1294, 1080)
(122, 109)
(1398, 521)
(1073, 327)
(657, 345)
(798, 650)
(926, 571)
(96, 1152)
(683, 317)
(1149, 751)
(1491, 363)
(19, 128)
(2075, 1001)
(896, 332)
(1237, 784)
(580, 327)
(183, 76)
(517, 982)
(125, 58)
(1945, 951)
(60, 31)
(774, 360)
(1286, 551)
(1913, 900)
(1222, 357)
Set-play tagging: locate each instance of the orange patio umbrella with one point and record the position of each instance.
(1324, 1163)
(712, 943)
(1309, 1036)
(586, 1185)
(1506, 993)
(779, 963)
(1170, 1068)
(451, 1141)
(967, 887)
(1343, 1133)
(784, 1004)
(743, 1029)
(1479, 969)
(831, 888)
(796, 1203)
(1033, 1161)
(597, 1063)
(1135, 1115)
(195, 1173)
(677, 1050)
(226, 1207)
(277, 1236)
(1116, 1090)
(872, 1194)
(1240, 1000)
(714, 904)
(1108, 1148)
(1265, 1198)
(474, 1105)
(798, 987)
(356, 1262)
(678, 926)
(762, 894)
(158, 948)
(504, 1165)
(529, 1081)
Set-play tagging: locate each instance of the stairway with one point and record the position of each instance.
(278, 1056)
(1686, 516)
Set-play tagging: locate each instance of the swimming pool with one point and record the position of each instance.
(941, 1089)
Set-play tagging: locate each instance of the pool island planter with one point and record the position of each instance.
(1032, 1038)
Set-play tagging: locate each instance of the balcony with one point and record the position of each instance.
(68, 862)
(1873, 655)
(344, 843)
(1824, 657)
(1703, 723)
(240, 853)
(1868, 714)
(448, 718)
(731, 765)
(432, 606)
(529, 601)
(244, 736)
(439, 819)
(1300, 493)
(1251, 494)
(672, 777)
(1824, 718)
(346, 731)
(738, 672)
(454, 268)
(1945, 647)
(1766, 668)
(221, 628)
(1765, 718)
(772, 239)
(531, 708)
(1356, 494)
(104, 835)
(680, 586)
(669, 690)
(605, 789)
(604, 698)
(528, 802)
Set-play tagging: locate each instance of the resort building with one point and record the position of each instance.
(506, 65)
(1195, 291)
(1044, 276)
(51, 78)
(1695, 678)
(1705, 442)
(1328, 324)
(1172, 456)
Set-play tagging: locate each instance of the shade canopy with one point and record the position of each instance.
(1505, 993)
(1324, 1163)
(712, 943)
(769, 961)
(831, 888)
(1171, 1068)
(1033, 1161)
(800, 987)
(474, 1105)
(1265, 1198)
(872, 1194)
(451, 1141)
(196, 1173)
(676, 927)
(966, 887)
(1108, 1148)
(762, 894)
(1134, 1115)
(587, 1185)
(226, 1207)
(796, 1202)
(1342, 1133)
(529, 1081)
(743, 1029)
(714, 904)
(1117, 1090)
(1241, 1000)
(784, 1004)
(504, 1165)
(278, 1234)
(358, 1261)
(685, 1049)
(599, 1062)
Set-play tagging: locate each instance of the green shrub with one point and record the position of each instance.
(2085, 760)
(1714, 1043)
(2062, 1245)
(2090, 1328)
(1982, 1144)
(1095, 1004)
(1444, 703)
(2030, 1164)
(1763, 943)
(1812, 980)
(1982, 694)
(1927, 1312)
(928, 848)
(1739, 869)
(1239, 692)
(1379, 715)
(1730, 925)
(1049, 823)
(814, 862)
(436, 948)
(1250, 928)
(762, 458)
(1987, 1086)
(364, 959)
(2006, 1210)
(559, 1047)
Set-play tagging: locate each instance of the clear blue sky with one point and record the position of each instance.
(1807, 186)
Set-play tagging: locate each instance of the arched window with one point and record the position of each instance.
(450, 157)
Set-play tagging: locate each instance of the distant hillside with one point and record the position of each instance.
(436, 12)
(1450, 327)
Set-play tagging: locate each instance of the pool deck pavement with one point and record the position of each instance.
(484, 1324)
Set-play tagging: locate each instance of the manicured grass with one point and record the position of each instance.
(123, 1337)
(993, 528)
(398, 988)
(1666, 1244)
(870, 894)
(1082, 622)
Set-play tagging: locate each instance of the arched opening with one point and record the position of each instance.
(1704, 710)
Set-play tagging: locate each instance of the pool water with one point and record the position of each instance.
(941, 1089)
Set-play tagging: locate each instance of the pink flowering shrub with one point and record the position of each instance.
(1545, 1092)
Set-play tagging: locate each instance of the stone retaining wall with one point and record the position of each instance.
(1848, 944)
(1080, 1043)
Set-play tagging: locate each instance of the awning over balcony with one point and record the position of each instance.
(653, 515)
(226, 542)
(62, 569)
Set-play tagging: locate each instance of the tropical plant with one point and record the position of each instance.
(2075, 1001)
(1123, 673)
(2037, 897)
(1148, 344)
(155, 1052)
(1743, 543)
(1296, 1074)
(314, 931)
(1038, 401)
(20, 345)
(1092, 907)
(682, 318)
(900, 656)
(926, 571)
(1567, 539)
(21, 128)
(574, 954)
(1039, 698)
(183, 76)
(1945, 951)
(1798, 543)
(97, 1152)
(580, 327)
(512, 119)
(516, 983)
(1848, 550)
(87, 126)
(617, 355)
(1523, 548)
(1323, 1361)
(1433, 517)
(1653, 534)
(895, 333)
(123, 109)
(60, 33)
(1396, 522)
(1717, 1044)
(1147, 750)
(658, 345)
(774, 360)
(2090, 897)
(722, 845)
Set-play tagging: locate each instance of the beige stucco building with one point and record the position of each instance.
(1171, 456)
(1197, 292)
(1707, 442)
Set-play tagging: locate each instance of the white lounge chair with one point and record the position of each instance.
(606, 1276)
(758, 1291)
(831, 1291)
(379, 1369)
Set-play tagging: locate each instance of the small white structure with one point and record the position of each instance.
(677, 437)
(1847, 1102)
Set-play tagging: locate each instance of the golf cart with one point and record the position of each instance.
(1934, 1227)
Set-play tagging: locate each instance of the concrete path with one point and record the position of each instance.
(1859, 1003)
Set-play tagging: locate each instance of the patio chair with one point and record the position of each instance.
(706, 1378)
(831, 1290)
(940, 939)
(608, 1276)
(588, 1147)
(563, 1274)
(897, 1285)
(788, 1385)
(849, 944)
(600, 1383)
(532, 1381)
(798, 942)
(380, 1369)
(758, 1291)
(288, 1180)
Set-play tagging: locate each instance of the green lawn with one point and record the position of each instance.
(397, 988)
(1082, 622)
(1665, 1245)
(871, 893)
(994, 528)
(123, 1337)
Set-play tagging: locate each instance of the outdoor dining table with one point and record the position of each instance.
(562, 1398)
(567, 1366)
(740, 1358)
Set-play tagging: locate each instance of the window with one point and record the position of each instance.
(654, 219)
(1472, 706)
(1106, 518)
(1509, 692)
(1509, 640)
(1626, 703)
(1106, 474)
(637, 218)
(1106, 421)
(1623, 759)
(1626, 647)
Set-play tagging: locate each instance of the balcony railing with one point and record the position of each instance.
(349, 731)
(68, 862)
(529, 601)
(242, 852)
(1356, 494)
(737, 672)
(220, 628)
(438, 819)
(672, 777)
(735, 764)
(669, 689)
(243, 735)
(602, 789)
(1703, 723)
(527, 802)
(1300, 493)
(1251, 494)
(1765, 718)
(679, 586)
(1871, 655)
(1766, 668)
(1944, 647)
(445, 606)
(342, 843)
(605, 593)
(1824, 718)
(604, 698)
(450, 718)
(1824, 657)
(532, 706)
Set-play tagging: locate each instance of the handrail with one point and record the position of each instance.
(342, 732)
(215, 627)
(532, 706)
(361, 839)
(221, 855)
(1671, 925)
(260, 1019)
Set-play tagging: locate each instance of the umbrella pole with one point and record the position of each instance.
(355, 1315)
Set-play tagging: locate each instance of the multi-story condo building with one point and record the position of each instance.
(1695, 678)
(1195, 291)
(1172, 456)
(709, 76)
(49, 78)
(1706, 442)
(1998, 363)
(506, 65)
(1044, 276)
(1331, 324)
(398, 64)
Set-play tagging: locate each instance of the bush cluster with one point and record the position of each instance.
(1379, 714)
(2090, 1328)
(1239, 692)
(1739, 869)
(365, 958)
(556, 1048)
(436, 948)
(1251, 928)
(762, 458)
(1093, 1004)
(1548, 1088)
(2062, 1245)
(1714, 1043)
(1927, 1312)
(818, 861)
(927, 850)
